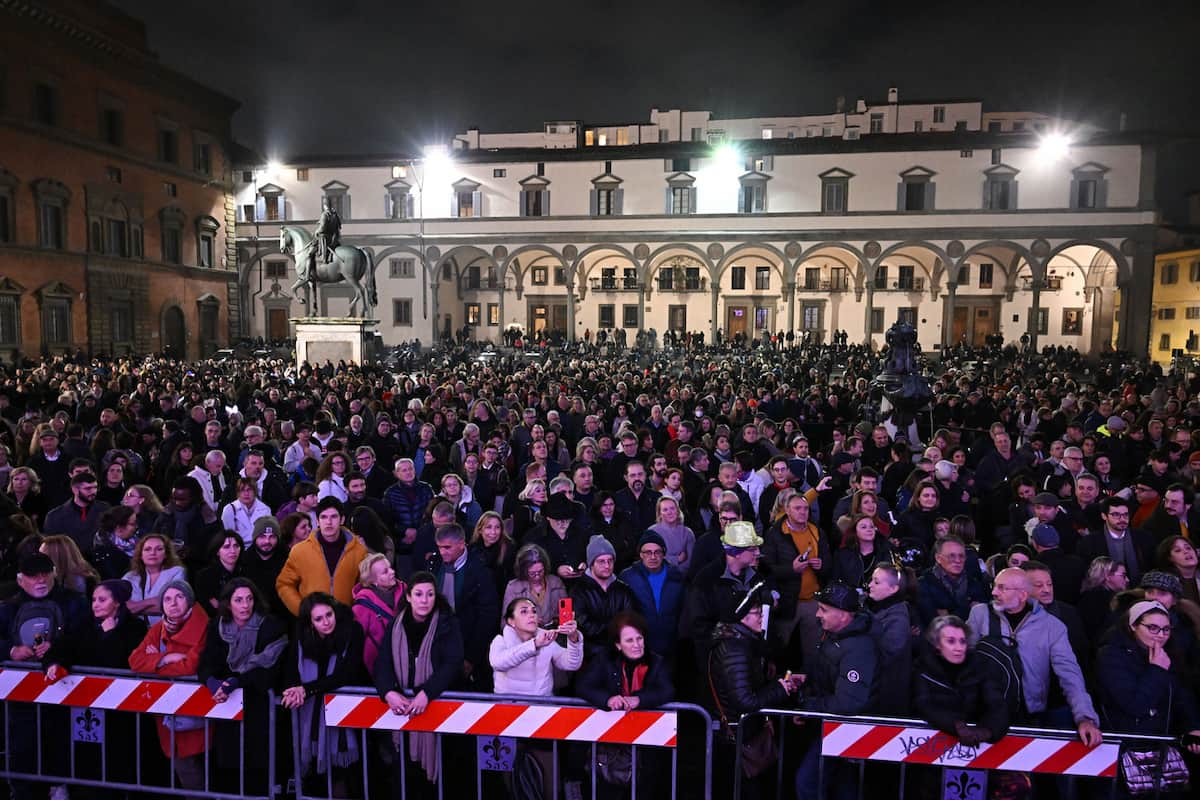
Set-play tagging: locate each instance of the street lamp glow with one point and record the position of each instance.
(437, 158)
(1054, 146)
(727, 158)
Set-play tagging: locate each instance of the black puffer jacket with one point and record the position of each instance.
(944, 695)
(601, 679)
(892, 621)
(595, 608)
(737, 672)
(845, 679)
(1139, 697)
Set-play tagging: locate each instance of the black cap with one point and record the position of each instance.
(36, 564)
(559, 506)
(840, 595)
(737, 605)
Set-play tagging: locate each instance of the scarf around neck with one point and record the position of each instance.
(242, 642)
(422, 746)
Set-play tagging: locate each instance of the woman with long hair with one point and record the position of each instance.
(1177, 555)
(863, 549)
(679, 537)
(25, 490)
(535, 578)
(294, 529)
(327, 655)
(115, 541)
(224, 551)
(864, 502)
(528, 511)
(142, 499)
(420, 657)
(495, 547)
(180, 464)
(112, 483)
(1105, 578)
(71, 569)
(917, 521)
(331, 476)
(153, 568)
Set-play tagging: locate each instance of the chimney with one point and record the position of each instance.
(893, 95)
(840, 106)
(861, 106)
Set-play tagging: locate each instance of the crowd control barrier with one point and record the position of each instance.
(78, 731)
(911, 742)
(497, 729)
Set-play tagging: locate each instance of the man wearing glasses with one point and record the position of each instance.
(1044, 649)
(1132, 548)
(658, 593)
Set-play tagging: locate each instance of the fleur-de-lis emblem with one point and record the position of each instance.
(89, 721)
(497, 749)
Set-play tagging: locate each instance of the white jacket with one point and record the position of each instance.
(524, 668)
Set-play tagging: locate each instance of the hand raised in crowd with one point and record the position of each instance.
(570, 629)
(544, 636)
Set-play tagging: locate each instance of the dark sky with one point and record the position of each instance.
(371, 76)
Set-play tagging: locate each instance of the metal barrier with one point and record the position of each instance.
(88, 707)
(494, 723)
(904, 741)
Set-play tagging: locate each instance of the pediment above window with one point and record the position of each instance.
(9, 286)
(535, 182)
(837, 173)
(1090, 167)
(270, 188)
(681, 179)
(606, 181)
(918, 173)
(398, 186)
(334, 187)
(754, 177)
(207, 224)
(1001, 171)
(465, 185)
(55, 289)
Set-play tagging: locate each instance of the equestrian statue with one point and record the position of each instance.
(323, 259)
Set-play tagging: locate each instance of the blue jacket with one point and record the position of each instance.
(408, 503)
(663, 619)
(1139, 697)
(932, 595)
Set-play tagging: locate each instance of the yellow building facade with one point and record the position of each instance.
(1175, 307)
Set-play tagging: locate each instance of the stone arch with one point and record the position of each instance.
(783, 269)
(518, 272)
(932, 272)
(246, 266)
(858, 268)
(409, 250)
(1124, 270)
(691, 249)
(615, 249)
(173, 327)
(454, 257)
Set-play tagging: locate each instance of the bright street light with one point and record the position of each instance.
(1054, 146)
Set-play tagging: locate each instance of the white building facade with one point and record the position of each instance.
(962, 221)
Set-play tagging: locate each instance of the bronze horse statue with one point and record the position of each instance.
(354, 265)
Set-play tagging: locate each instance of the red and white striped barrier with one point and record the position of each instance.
(926, 746)
(565, 723)
(118, 694)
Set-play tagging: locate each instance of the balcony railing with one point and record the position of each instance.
(1050, 284)
(826, 286)
(467, 284)
(682, 285)
(902, 285)
(614, 284)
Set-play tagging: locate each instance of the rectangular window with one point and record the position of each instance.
(810, 317)
(960, 125)
(608, 316)
(9, 328)
(466, 205)
(812, 278)
(939, 114)
(1072, 321)
(172, 241)
(697, 134)
(907, 316)
(833, 197)
(681, 200)
(985, 275)
(876, 320)
(168, 146)
(881, 277)
(402, 313)
(1042, 321)
(52, 232)
(116, 237)
(473, 275)
(906, 277)
(762, 278)
(112, 126)
(630, 278)
(768, 133)
(1194, 272)
(876, 123)
(604, 202)
(994, 126)
(681, 165)
(248, 212)
(664, 136)
(336, 203)
(45, 104)
(206, 250)
(1085, 193)
(301, 174)
(964, 275)
(995, 156)
(762, 318)
(56, 322)
(839, 279)
(1164, 342)
(6, 209)
(737, 278)
(401, 267)
(277, 269)
(1193, 312)
(999, 195)
(914, 195)
(1166, 313)
(204, 164)
(1169, 274)
(666, 279)
(560, 276)
(273, 204)
(1018, 125)
(919, 126)
(753, 198)
(534, 203)
(474, 313)
(629, 316)
(540, 276)
(170, 189)
(493, 314)
(499, 172)
(113, 174)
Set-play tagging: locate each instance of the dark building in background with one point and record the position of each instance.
(115, 209)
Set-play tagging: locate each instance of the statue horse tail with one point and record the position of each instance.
(372, 295)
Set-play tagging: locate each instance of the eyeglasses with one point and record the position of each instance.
(1157, 630)
(652, 552)
(729, 519)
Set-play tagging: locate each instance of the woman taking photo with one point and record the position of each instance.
(326, 656)
(495, 548)
(421, 655)
(171, 649)
(524, 655)
(242, 651)
(536, 580)
(953, 691)
(153, 568)
(377, 599)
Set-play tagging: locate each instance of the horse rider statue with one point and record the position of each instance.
(328, 232)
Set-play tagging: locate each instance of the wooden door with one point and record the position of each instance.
(736, 321)
(958, 326)
(985, 325)
(677, 318)
(559, 318)
(277, 324)
(174, 332)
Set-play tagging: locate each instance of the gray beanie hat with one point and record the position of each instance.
(599, 546)
(184, 588)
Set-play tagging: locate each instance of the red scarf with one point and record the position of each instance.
(632, 684)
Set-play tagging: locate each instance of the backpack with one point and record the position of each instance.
(1002, 661)
(36, 621)
(384, 616)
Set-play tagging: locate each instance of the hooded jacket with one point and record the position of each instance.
(943, 695)
(845, 679)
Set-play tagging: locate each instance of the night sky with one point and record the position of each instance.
(383, 76)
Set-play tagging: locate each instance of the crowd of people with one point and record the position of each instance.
(727, 526)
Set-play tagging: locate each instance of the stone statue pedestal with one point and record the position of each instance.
(321, 339)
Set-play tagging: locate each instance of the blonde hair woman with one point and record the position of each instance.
(73, 571)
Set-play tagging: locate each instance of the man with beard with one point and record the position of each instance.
(636, 500)
(79, 517)
(188, 523)
(598, 596)
(263, 561)
(378, 479)
(356, 497)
